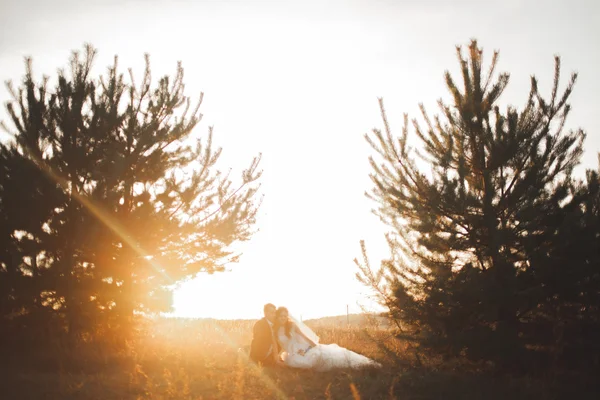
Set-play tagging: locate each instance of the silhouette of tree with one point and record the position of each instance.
(478, 237)
(107, 198)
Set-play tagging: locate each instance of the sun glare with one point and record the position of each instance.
(219, 296)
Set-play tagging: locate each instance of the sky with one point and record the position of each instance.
(298, 82)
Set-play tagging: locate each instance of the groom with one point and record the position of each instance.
(263, 349)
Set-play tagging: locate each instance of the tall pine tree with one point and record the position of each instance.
(474, 235)
(108, 197)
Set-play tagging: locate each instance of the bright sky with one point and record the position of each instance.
(299, 81)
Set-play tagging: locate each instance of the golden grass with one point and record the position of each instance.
(190, 359)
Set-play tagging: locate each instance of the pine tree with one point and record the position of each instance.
(106, 200)
(468, 233)
(565, 269)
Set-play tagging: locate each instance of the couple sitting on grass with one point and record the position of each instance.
(279, 339)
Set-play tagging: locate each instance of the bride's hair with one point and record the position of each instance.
(287, 326)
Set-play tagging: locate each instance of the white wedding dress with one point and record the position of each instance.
(298, 353)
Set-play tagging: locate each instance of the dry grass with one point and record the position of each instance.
(186, 359)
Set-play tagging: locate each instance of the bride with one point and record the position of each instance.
(300, 347)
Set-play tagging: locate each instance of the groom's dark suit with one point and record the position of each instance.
(263, 346)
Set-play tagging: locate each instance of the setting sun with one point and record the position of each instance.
(242, 292)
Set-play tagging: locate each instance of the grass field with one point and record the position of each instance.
(204, 359)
